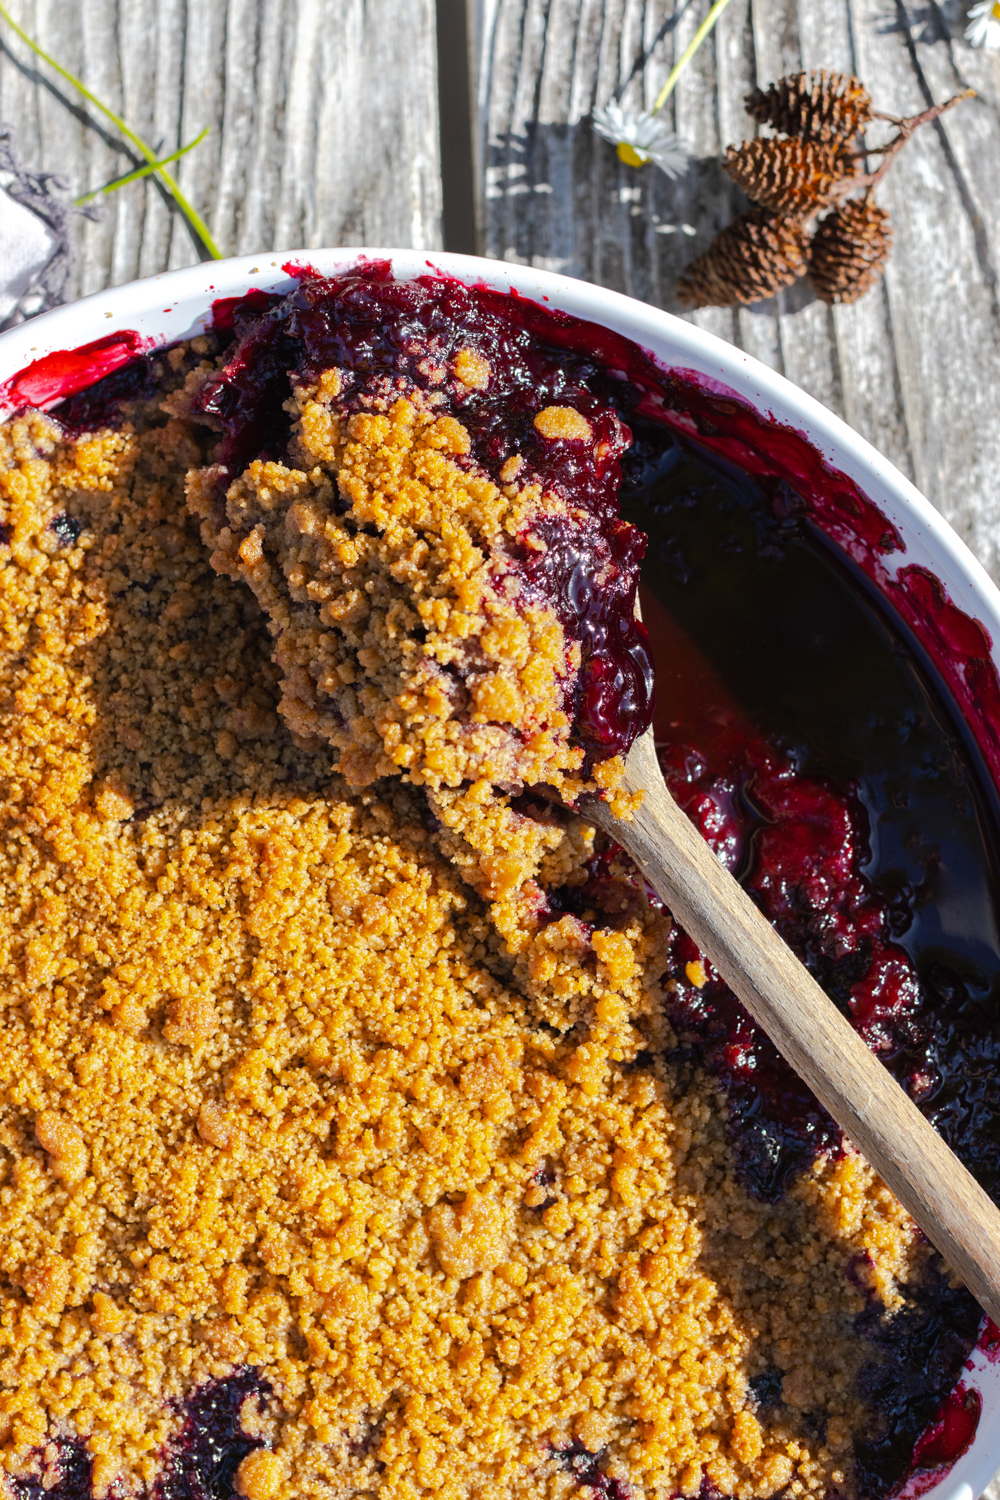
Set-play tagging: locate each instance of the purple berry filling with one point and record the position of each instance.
(66, 529)
(861, 816)
(585, 1468)
(202, 1460)
(65, 1469)
(200, 1463)
(99, 405)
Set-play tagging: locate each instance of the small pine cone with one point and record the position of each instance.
(819, 106)
(750, 259)
(849, 250)
(787, 176)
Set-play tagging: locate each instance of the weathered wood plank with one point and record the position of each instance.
(915, 366)
(323, 116)
(944, 195)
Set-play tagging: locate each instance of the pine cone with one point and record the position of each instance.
(849, 250)
(789, 176)
(819, 106)
(750, 259)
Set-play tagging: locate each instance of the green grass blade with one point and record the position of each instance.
(151, 166)
(688, 53)
(190, 213)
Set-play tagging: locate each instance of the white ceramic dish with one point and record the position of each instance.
(178, 304)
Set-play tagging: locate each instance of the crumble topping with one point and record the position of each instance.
(299, 1080)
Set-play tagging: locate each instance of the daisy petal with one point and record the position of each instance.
(640, 137)
(983, 29)
(671, 155)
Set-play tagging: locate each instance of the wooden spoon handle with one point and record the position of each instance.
(951, 1208)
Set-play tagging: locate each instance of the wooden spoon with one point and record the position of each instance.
(880, 1119)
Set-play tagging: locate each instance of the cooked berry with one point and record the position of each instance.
(66, 529)
(202, 1460)
(765, 1388)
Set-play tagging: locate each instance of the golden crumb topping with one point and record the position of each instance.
(298, 1084)
(563, 422)
(472, 369)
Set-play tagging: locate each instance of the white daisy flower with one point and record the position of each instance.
(983, 29)
(640, 137)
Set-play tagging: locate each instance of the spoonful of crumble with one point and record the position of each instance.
(433, 620)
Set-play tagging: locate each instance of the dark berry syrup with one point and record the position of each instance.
(585, 1468)
(811, 742)
(63, 1472)
(200, 1462)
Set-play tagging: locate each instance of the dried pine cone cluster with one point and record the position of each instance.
(809, 167)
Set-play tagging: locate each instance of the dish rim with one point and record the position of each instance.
(176, 304)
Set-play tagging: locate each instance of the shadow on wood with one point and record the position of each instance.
(558, 197)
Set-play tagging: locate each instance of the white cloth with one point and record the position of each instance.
(27, 244)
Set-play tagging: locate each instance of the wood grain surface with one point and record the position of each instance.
(323, 116)
(915, 366)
